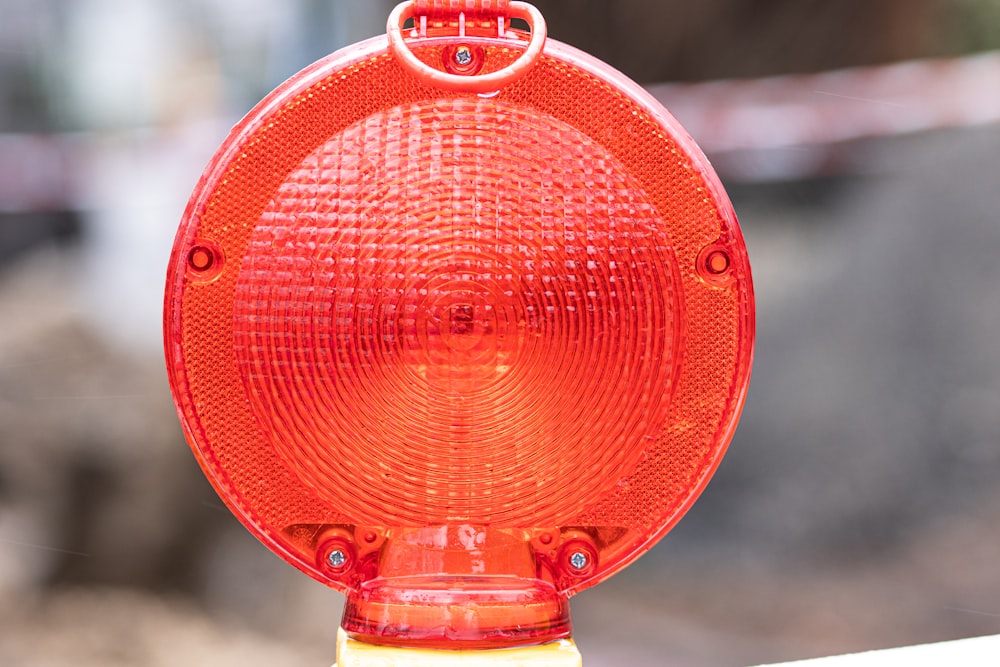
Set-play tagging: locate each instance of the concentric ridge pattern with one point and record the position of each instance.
(459, 311)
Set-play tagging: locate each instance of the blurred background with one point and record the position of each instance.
(858, 507)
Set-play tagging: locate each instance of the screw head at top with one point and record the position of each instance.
(463, 56)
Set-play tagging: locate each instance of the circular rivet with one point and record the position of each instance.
(204, 261)
(201, 259)
(717, 262)
(715, 265)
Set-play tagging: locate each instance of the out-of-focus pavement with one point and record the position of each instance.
(858, 507)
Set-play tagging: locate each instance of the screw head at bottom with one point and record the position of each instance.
(579, 560)
(337, 559)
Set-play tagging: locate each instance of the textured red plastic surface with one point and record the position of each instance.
(477, 349)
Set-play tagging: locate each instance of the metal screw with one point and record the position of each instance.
(579, 560)
(336, 559)
(463, 56)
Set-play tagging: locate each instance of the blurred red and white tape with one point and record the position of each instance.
(789, 126)
(783, 127)
(841, 105)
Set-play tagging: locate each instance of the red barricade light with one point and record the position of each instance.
(459, 325)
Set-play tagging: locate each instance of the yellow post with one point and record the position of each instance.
(352, 653)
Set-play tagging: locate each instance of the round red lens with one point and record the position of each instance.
(466, 352)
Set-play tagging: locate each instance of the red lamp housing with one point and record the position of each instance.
(459, 346)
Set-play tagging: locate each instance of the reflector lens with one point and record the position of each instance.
(457, 333)
(459, 356)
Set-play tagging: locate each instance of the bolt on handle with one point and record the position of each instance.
(484, 83)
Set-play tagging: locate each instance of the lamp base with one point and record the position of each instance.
(353, 653)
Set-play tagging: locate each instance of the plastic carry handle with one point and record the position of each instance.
(485, 83)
